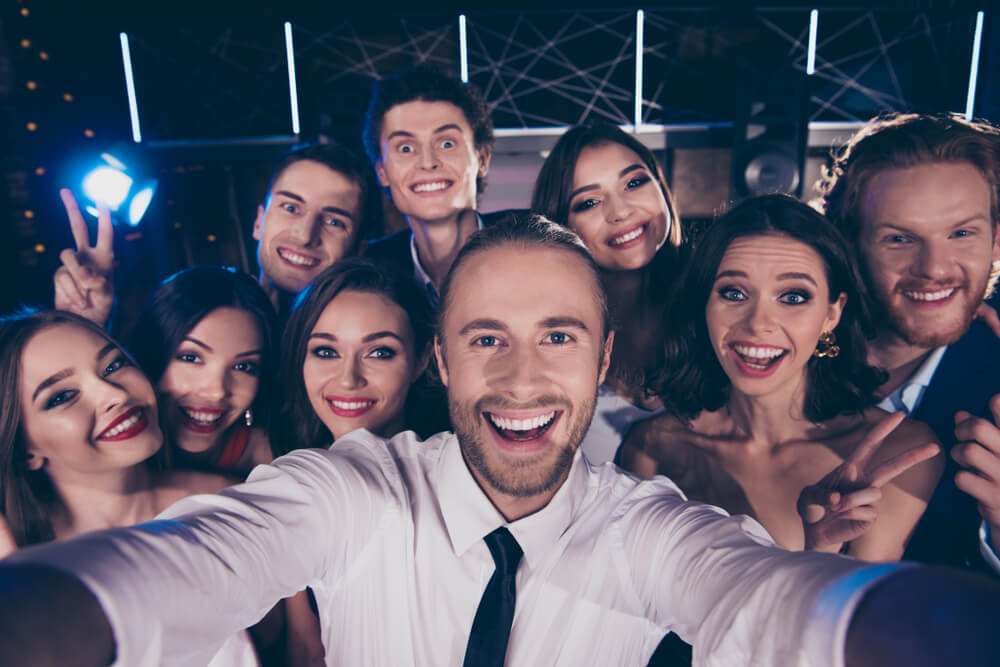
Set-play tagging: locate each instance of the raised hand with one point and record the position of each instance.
(84, 284)
(978, 450)
(841, 506)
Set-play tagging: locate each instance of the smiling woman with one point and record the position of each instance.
(80, 439)
(205, 338)
(360, 335)
(766, 383)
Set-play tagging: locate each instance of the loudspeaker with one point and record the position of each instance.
(769, 138)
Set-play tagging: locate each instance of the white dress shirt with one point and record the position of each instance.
(389, 536)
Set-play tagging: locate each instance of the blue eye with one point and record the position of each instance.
(188, 357)
(404, 148)
(385, 353)
(963, 233)
(486, 341)
(896, 239)
(289, 207)
(584, 205)
(60, 397)
(247, 366)
(794, 298)
(558, 338)
(448, 143)
(731, 294)
(324, 352)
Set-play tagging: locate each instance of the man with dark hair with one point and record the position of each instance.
(498, 544)
(312, 216)
(917, 196)
(430, 138)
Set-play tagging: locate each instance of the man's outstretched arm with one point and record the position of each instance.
(48, 618)
(926, 616)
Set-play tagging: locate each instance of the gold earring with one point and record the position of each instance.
(826, 347)
(248, 417)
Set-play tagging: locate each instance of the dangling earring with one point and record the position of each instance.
(248, 418)
(826, 347)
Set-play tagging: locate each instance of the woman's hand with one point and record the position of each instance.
(84, 284)
(841, 506)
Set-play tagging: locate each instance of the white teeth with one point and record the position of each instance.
(351, 405)
(522, 424)
(931, 296)
(298, 259)
(124, 426)
(758, 352)
(202, 417)
(430, 187)
(625, 238)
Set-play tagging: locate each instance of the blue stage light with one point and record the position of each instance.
(110, 184)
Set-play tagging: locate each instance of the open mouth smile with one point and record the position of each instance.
(127, 426)
(429, 187)
(757, 360)
(930, 297)
(522, 430)
(349, 407)
(629, 238)
(297, 259)
(201, 420)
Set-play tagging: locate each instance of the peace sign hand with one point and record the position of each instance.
(84, 284)
(841, 506)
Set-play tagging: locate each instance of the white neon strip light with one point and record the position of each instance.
(293, 94)
(133, 108)
(640, 17)
(463, 48)
(970, 102)
(811, 59)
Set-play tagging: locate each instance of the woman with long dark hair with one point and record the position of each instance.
(80, 443)
(608, 188)
(766, 385)
(205, 340)
(356, 340)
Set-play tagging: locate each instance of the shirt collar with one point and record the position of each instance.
(909, 394)
(469, 516)
(418, 269)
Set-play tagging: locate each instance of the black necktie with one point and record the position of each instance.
(487, 645)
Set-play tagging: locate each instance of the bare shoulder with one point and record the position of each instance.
(173, 485)
(909, 434)
(648, 436)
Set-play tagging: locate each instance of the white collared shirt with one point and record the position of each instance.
(389, 536)
(908, 395)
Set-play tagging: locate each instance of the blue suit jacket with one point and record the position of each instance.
(967, 377)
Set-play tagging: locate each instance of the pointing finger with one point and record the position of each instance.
(77, 225)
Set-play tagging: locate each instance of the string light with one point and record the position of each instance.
(24, 11)
(44, 55)
(39, 248)
(29, 214)
(67, 97)
(31, 127)
(32, 85)
(39, 171)
(211, 238)
(88, 133)
(25, 43)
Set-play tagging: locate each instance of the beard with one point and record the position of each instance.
(915, 333)
(526, 476)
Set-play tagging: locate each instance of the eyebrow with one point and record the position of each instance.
(329, 209)
(482, 323)
(199, 343)
(367, 339)
(563, 321)
(443, 128)
(51, 380)
(791, 275)
(594, 186)
(67, 372)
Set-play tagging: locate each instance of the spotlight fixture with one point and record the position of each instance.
(109, 183)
